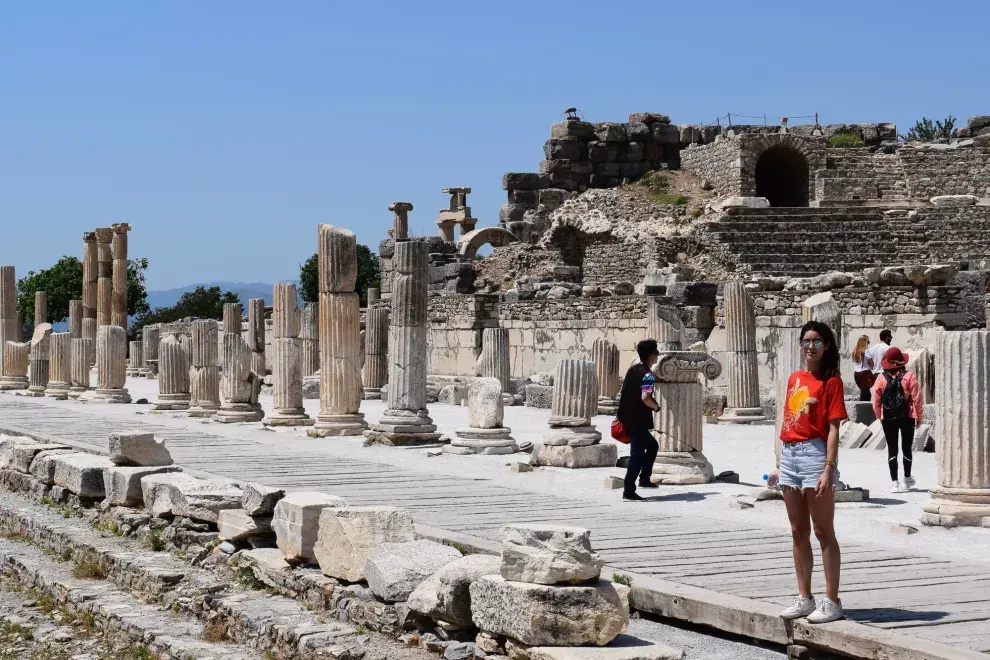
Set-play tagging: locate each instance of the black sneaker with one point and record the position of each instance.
(632, 497)
(647, 484)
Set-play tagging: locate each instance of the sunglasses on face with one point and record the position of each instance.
(808, 343)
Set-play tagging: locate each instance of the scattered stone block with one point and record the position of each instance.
(876, 437)
(7, 445)
(122, 485)
(623, 647)
(544, 615)
(921, 436)
(296, 523)
(614, 483)
(136, 448)
(81, 474)
(348, 535)
(23, 455)
(269, 560)
(43, 466)
(178, 494)
(853, 434)
(260, 500)
(903, 530)
(852, 495)
(745, 202)
(394, 570)
(521, 467)
(446, 595)
(548, 554)
(237, 525)
(954, 200)
(600, 455)
(861, 411)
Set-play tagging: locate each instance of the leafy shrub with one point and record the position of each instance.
(622, 578)
(677, 200)
(845, 141)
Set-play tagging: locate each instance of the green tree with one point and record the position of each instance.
(63, 282)
(925, 130)
(368, 276)
(200, 303)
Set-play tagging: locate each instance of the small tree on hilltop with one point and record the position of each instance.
(200, 303)
(368, 275)
(925, 130)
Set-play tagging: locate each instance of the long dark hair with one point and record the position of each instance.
(830, 360)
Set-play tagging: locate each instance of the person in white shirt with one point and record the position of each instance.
(877, 351)
(863, 371)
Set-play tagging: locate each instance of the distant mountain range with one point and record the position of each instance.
(245, 290)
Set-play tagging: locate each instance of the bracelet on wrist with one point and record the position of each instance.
(833, 464)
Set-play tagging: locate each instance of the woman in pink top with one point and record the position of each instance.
(897, 404)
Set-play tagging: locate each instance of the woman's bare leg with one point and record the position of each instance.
(822, 510)
(804, 560)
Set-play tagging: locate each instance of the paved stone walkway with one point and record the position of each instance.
(933, 598)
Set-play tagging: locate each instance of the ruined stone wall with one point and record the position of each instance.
(962, 171)
(456, 323)
(717, 163)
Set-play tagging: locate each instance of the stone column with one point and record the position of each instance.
(135, 358)
(572, 441)
(374, 295)
(59, 365)
(962, 403)
(494, 359)
(309, 340)
(75, 319)
(663, 323)
(340, 334)
(740, 352)
(823, 307)
(173, 376)
(89, 332)
(150, 338)
(255, 336)
(104, 283)
(406, 420)
(787, 360)
(40, 308)
(111, 356)
(82, 348)
(485, 433)
(204, 374)
(118, 311)
(9, 328)
(287, 360)
(233, 317)
(400, 221)
(39, 359)
(605, 355)
(376, 352)
(91, 275)
(922, 365)
(239, 384)
(678, 423)
(16, 356)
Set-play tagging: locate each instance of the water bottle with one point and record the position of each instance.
(772, 480)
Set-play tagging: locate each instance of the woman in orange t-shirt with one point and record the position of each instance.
(813, 408)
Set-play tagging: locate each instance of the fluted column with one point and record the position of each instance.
(60, 365)
(309, 340)
(484, 433)
(82, 348)
(118, 311)
(575, 393)
(40, 360)
(173, 375)
(494, 359)
(286, 360)
(240, 384)
(40, 308)
(104, 282)
(204, 374)
(233, 317)
(75, 318)
(111, 368)
(663, 323)
(740, 353)
(150, 338)
(374, 295)
(605, 355)
(255, 336)
(400, 220)
(572, 441)
(91, 275)
(16, 358)
(962, 407)
(823, 307)
(9, 328)
(135, 358)
(376, 351)
(677, 425)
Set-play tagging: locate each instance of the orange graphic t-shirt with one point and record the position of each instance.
(810, 405)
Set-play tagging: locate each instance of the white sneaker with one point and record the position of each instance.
(909, 483)
(828, 610)
(802, 607)
(895, 487)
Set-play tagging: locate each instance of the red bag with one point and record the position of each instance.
(619, 432)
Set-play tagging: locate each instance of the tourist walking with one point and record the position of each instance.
(863, 374)
(636, 407)
(897, 404)
(878, 350)
(808, 471)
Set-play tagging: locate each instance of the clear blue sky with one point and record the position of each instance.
(225, 131)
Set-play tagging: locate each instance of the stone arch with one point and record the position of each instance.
(779, 166)
(494, 236)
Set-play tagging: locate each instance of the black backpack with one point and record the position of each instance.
(893, 399)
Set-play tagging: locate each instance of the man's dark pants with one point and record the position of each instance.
(642, 454)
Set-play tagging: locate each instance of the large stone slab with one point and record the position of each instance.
(348, 536)
(178, 494)
(853, 434)
(237, 525)
(446, 596)
(544, 615)
(602, 455)
(296, 522)
(81, 474)
(23, 455)
(43, 465)
(394, 570)
(7, 445)
(548, 554)
(122, 484)
(260, 500)
(623, 647)
(138, 449)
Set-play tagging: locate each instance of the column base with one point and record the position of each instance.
(106, 396)
(58, 391)
(14, 383)
(200, 410)
(232, 413)
(172, 402)
(607, 406)
(742, 415)
(333, 425)
(76, 392)
(35, 391)
(568, 456)
(572, 436)
(682, 468)
(289, 417)
(482, 441)
(372, 393)
(132, 372)
(954, 507)
(403, 427)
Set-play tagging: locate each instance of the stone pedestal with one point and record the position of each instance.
(309, 340)
(286, 360)
(135, 358)
(740, 352)
(571, 440)
(605, 355)
(678, 423)
(485, 433)
(204, 374)
(82, 348)
(376, 351)
(59, 365)
(118, 299)
(150, 337)
(173, 376)
(340, 334)
(962, 399)
(111, 356)
(406, 421)
(39, 360)
(240, 384)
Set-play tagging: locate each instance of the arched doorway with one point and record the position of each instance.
(782, 177)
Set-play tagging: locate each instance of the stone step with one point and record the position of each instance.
(804, 211)
(868, 237)
(827, 248)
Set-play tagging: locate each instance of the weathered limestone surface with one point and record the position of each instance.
(741, 356)
(663, 323)
(394, 570)
(136, 448)
(104, 282)
(543, 615)
(60, 365)
(204, 374)
(118, 306)
(348, 536)
(824, 308)
(962, 399)
(89, 289)
(173, 376)
(286, 361)
(40, 308)
(10, 329)
(81, 474)
(82, 348)
(122, 485)
(605, 355)
(111, 352)
(485, 433)
(788, 357)
(376, 351)
(309, 339)
(494, 359)
(548, 554)
(400, 221)
(150, 338)
(623, 647)
(135, 359)
(574, 457)
(22, 455)
(75, 318)
(237, 525)
(240, 383)
(296, 522)
(571, 441)
(16, 358)
(178, 494)
(7, 446)
(40, 360)
(232, 318)
(260, 500)
(446, 596)
(43, 465)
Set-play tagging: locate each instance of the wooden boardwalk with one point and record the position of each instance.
(938, 600)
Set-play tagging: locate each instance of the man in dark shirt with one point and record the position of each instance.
(636, 408)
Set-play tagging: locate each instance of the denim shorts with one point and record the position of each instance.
(802, 463)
